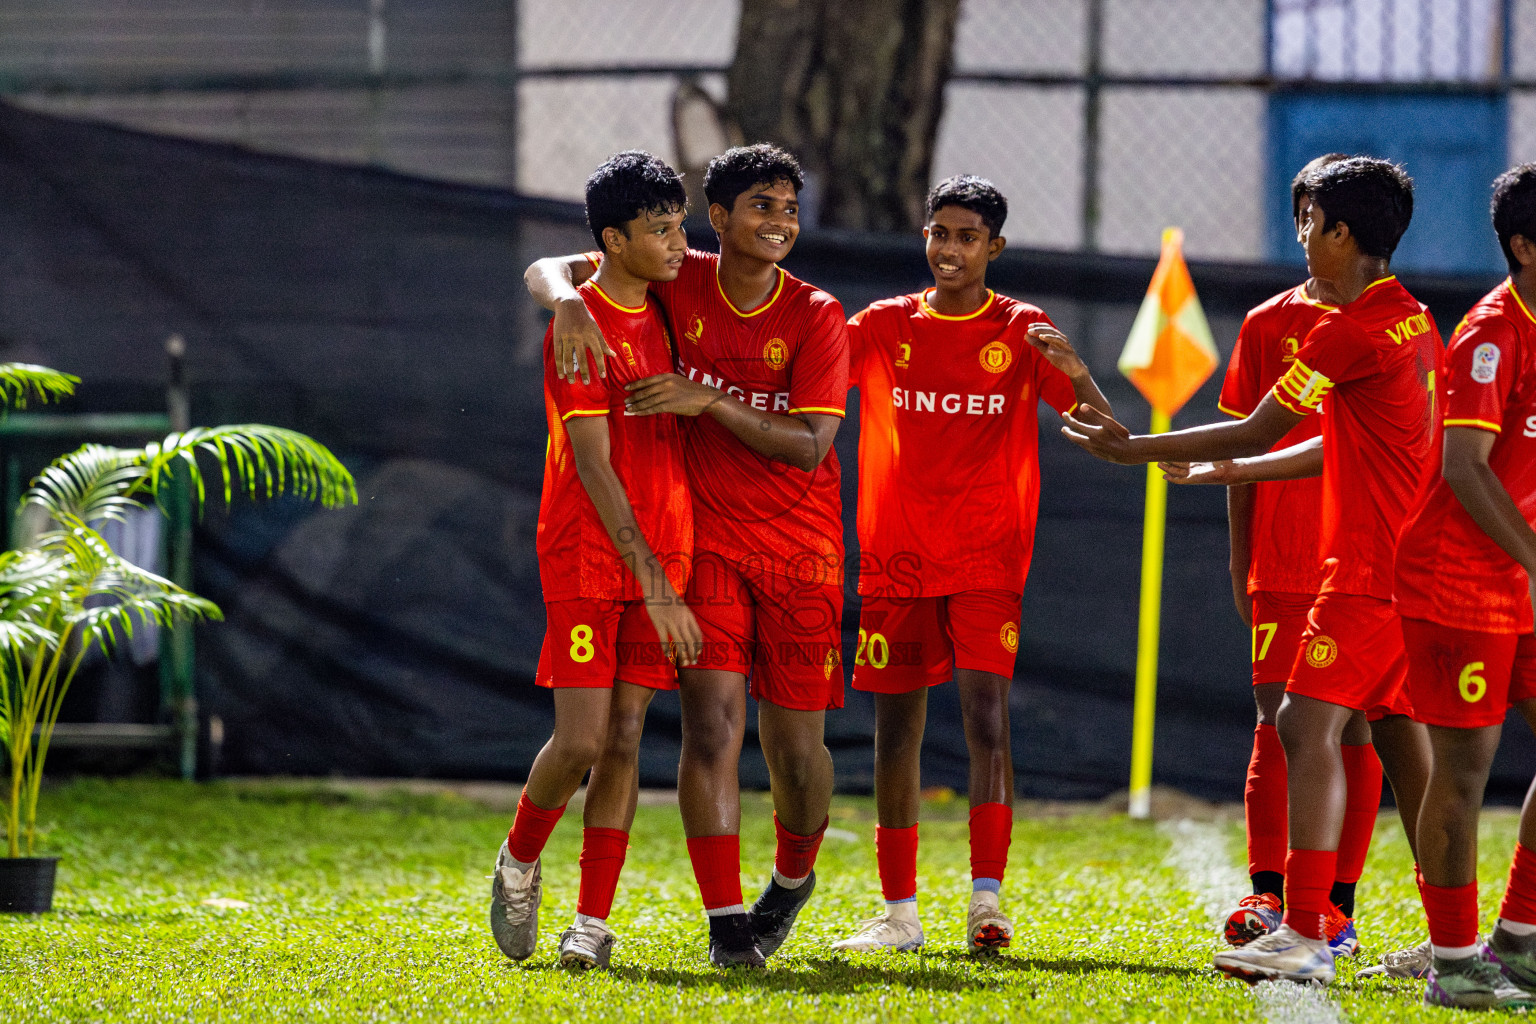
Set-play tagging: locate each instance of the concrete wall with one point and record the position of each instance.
(1191, 157)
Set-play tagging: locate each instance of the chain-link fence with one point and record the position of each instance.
(1103, 120)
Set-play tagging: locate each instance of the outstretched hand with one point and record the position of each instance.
(577, 334)
(1101, 436)
(1058, 351)
(1223, 472)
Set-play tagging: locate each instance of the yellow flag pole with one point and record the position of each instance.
(1147, 630)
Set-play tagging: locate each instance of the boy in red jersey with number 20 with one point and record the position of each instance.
(950, 380)
(761, 381)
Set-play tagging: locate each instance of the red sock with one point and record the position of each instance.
(896, 853)
(602, 858)
(1520, 897)
(991, 832)
(795, 855)
(1308, 877)
(531, 829)
(717, 867)
(1452, 911)
(1362, 773)
(1264, 802)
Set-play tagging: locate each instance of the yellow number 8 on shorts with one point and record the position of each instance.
(581, 643)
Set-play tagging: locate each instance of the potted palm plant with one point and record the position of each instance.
(68, 593)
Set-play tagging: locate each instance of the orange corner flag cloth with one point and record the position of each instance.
(1170, 352)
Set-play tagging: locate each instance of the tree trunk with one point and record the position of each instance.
(855, 89)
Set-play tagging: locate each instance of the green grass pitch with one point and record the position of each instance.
(372, 907)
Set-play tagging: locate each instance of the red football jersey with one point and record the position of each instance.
(789, 356)
(949, 470)
(1448, 570)
(1375, 362)
(1284, 531)
(576, 556)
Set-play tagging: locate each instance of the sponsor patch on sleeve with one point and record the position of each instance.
(1485, 362)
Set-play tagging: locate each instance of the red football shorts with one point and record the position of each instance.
(1463, 679)
(1351, 654)
(785, 634)
(1278, 622)
(906, 644)
(591, 642)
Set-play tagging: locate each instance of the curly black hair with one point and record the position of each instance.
(1374, 197)
(1514, 209)
(627, 185)
(969, 192)
(1299, 183)
(745, 167)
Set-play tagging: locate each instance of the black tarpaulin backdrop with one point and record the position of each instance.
(386, 317)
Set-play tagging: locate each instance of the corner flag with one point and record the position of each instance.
(1168, 355)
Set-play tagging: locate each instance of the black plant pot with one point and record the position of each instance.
(26, 884)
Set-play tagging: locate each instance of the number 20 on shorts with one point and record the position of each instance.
(875, 648)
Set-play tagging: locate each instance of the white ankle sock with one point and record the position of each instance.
(789, 883)
(582, 919)
(1455, 952)
(1517, 927)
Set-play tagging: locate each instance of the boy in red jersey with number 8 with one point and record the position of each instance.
(614, 541)
(950, 381)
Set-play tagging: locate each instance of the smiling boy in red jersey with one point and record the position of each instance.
(762, 377)
(614, 541)
(1276, 574)
(950, 380)
(1465, 568)
(1374, 359)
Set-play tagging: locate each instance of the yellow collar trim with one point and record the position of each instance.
(923, 299)
(1383, 280)
(1518, 300)
(1301, 293)
(777, 290)
(617, 305)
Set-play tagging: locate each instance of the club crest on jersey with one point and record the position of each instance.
(695, 330)
(1288, 349)
(996, 357)
(1010, 637)
(832, 661)
(776, 353)
(1485, 362)
(903, 355)
(1321, 650)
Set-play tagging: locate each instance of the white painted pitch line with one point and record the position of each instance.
(1199, 851)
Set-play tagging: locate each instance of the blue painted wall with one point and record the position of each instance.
(1453, 146)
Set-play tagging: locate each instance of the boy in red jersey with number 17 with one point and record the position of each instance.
(1465, 571)
(1276, 574)
(1374, 361)
(950, 382)
(614, 541)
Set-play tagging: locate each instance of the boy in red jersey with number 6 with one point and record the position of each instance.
(1465, 571)
(614, 541)
(950, 381)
